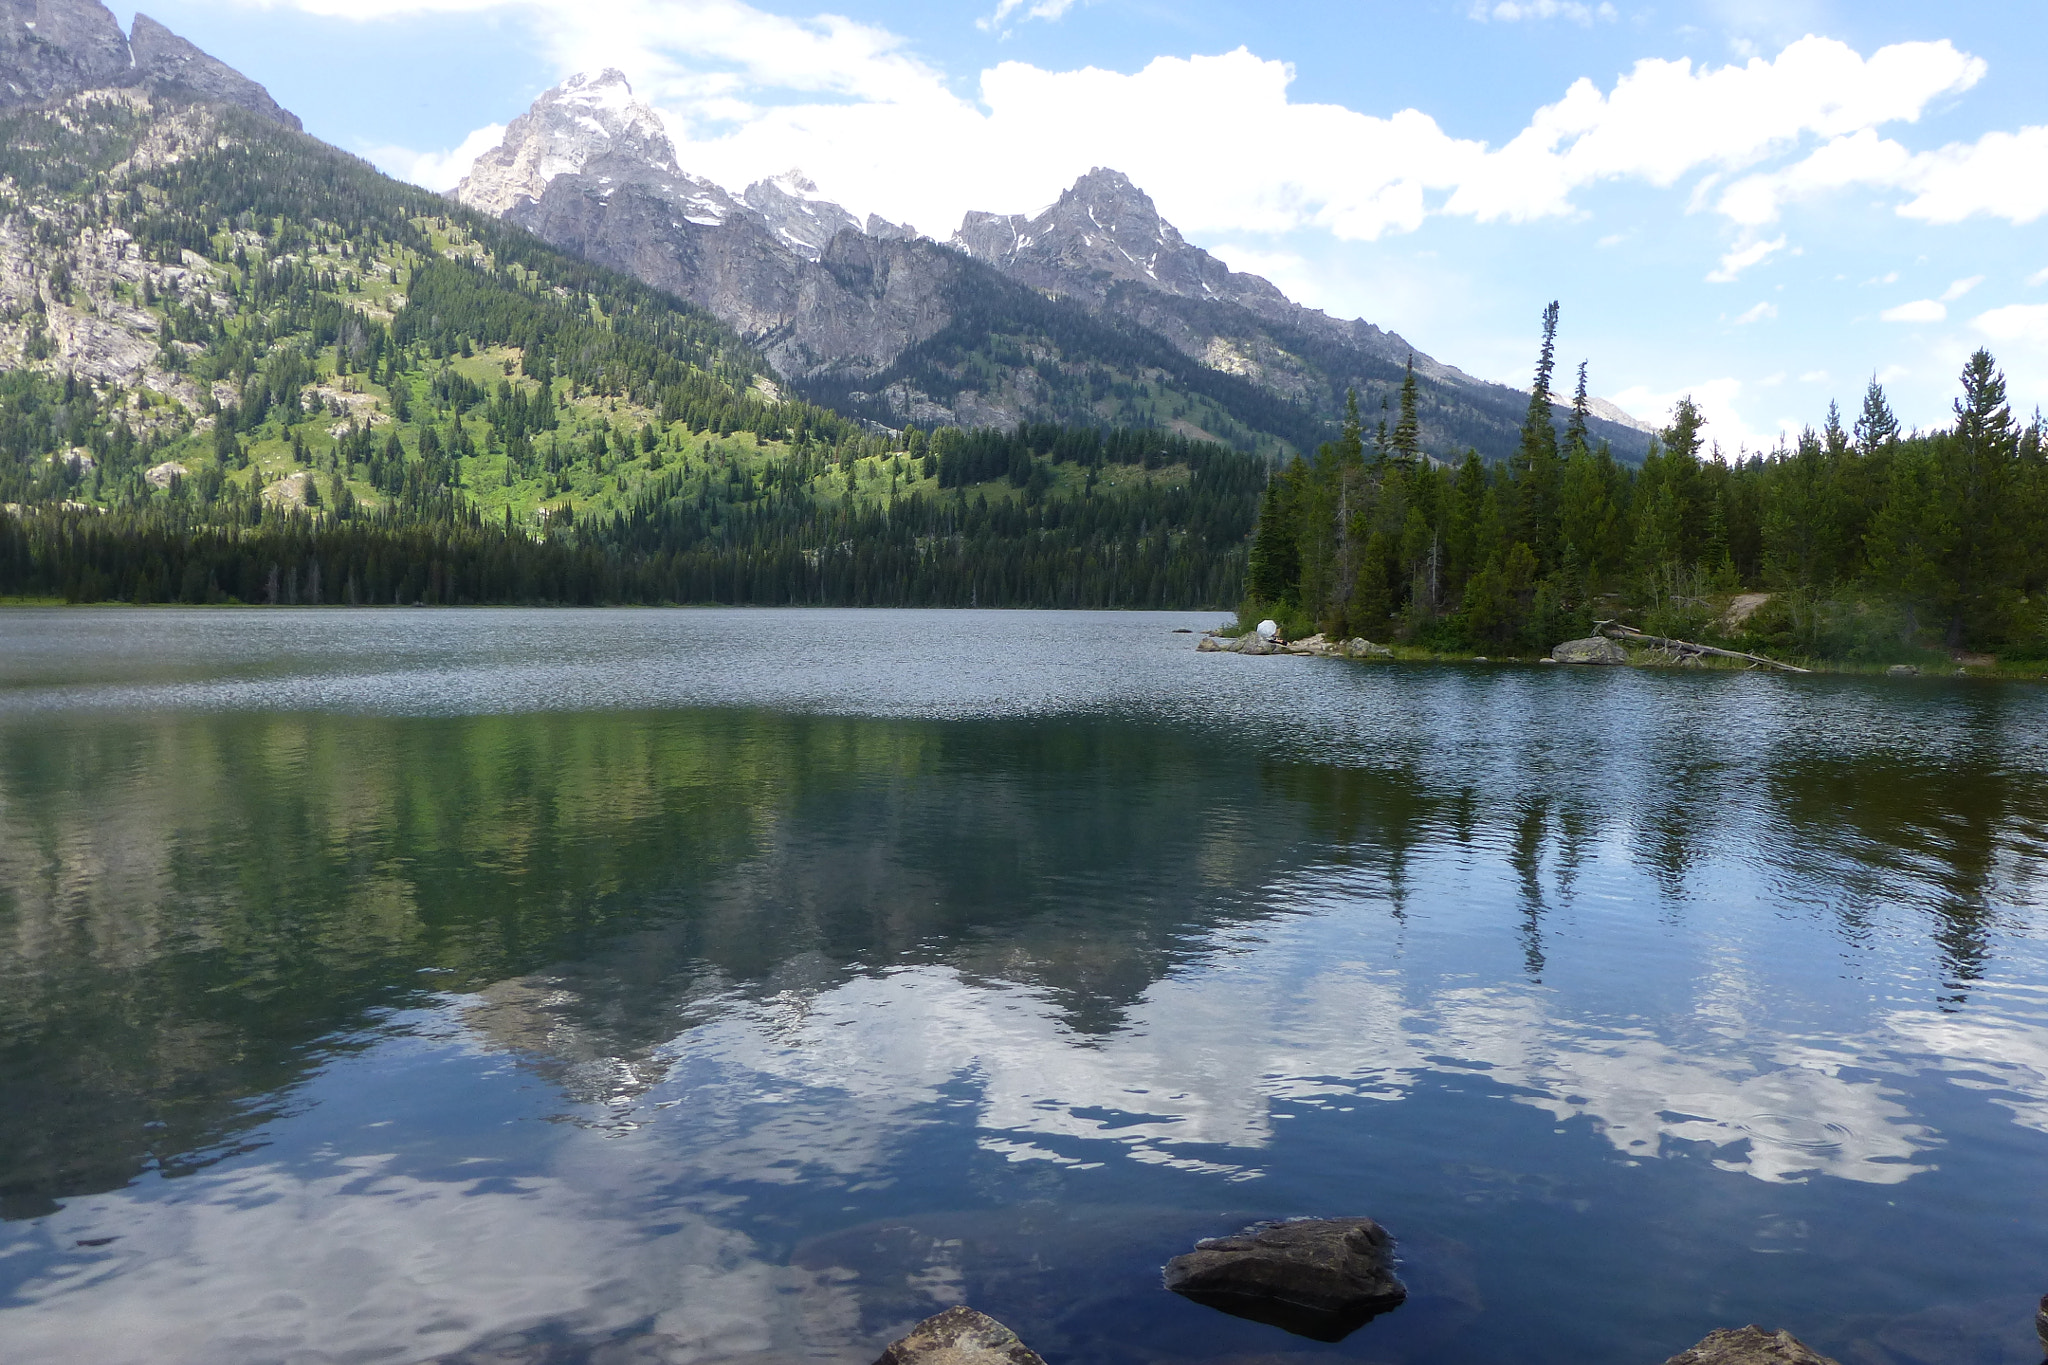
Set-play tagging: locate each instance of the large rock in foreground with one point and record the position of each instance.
(1750, 1345)
(959, 1336)
(1597, 649)
(1322, 1278)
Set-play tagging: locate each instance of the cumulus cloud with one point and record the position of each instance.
(1919, 310)
(1216, 139)
(1960, 288)
(2001, 175)
(2039, 277)
(1759, 313)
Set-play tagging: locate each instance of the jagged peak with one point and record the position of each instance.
(792, 182)
(588, 117)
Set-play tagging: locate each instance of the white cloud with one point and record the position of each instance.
(2024, 322)
(1919, 310)
(1960, 288)
(2001, 175)
(1216, 139)
(1511, 11)
(1814, 377)
(437, 170)
(1742, 258)
(1716, 400)
(2039, 277)
(1758, 314)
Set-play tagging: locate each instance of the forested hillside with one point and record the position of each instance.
(236, 365)
(1872, 542)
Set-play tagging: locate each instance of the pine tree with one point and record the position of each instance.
(1575, 435)
(1876, 429)
(1408, 431)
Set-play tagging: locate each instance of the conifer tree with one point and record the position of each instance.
(1876, 429)
(1408, 431)
(1575, 438)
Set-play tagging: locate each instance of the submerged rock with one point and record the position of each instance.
(1750, 1345)
(2041, 1322)
(959, 1336)
(1597, 649)
(1322, 1278)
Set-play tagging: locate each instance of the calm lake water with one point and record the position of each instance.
(707, 986)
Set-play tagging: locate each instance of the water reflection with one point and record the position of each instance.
(729, 1031)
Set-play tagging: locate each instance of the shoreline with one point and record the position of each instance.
(1639, 658)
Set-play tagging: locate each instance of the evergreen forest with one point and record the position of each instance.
(293, 380)
(1857, 542)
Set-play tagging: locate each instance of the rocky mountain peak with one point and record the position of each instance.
(588, 125)
(55, 47)
(52, 48)
(804, 219)
(161, 56)
(1102, 231)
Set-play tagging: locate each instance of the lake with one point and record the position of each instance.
(708, 986)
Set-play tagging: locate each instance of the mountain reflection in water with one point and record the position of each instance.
(744, 986)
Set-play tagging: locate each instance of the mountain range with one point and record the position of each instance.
(1093, 312)
(1094, 309)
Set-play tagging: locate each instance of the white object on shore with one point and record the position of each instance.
(1268, 629)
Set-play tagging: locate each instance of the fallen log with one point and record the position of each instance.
(1615, 630)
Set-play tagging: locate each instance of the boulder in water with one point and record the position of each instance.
(1322, 1278)
(959, 1336)
(1750, 1345)
(2041, 1322)
(1595, 649)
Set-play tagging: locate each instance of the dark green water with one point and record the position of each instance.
(730, 986)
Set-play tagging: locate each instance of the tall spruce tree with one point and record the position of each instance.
(1535, 468)
(1575, 438)
(1408, 431)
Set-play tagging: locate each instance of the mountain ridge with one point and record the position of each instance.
(53, 48)
(842, 307)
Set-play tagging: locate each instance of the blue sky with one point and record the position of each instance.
(1762, 204)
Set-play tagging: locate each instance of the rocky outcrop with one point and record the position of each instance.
(1596, 649)
(959, 1336)
(796, 213)
(851, 312)
(53, 48)
(1750, 1345)
(50, 48)
(1316, 1277)
(163, 58)
(1252, 643)
(2041, 1322)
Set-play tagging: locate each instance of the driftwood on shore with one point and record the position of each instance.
(1614, 630)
